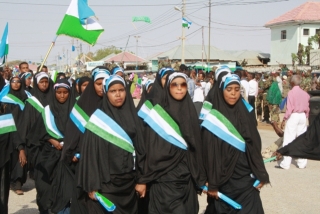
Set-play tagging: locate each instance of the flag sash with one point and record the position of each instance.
(161, 122)
(106, 128)
(247, 105)
(145, 109)
(220, 126)
(50, 124)
(35, 103)
(10, 98)
(79, 117)
(7, 124)
(206, 108)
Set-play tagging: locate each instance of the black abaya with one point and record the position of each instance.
(228, 169)
(174, 174)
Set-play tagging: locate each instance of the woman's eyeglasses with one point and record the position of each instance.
(176, 85)
(15, 81)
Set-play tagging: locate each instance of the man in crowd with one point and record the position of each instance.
(190, 81)
(259, 99)
(267, 81)
(44, 69)
(198, 96)
(23, 67)
(274, 103)
(295, 119)
(253, 90)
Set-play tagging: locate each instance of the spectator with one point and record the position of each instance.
(253, 90)
(295, 119)
(191, 84)
(198, 96)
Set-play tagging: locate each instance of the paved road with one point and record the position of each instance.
(293, 191)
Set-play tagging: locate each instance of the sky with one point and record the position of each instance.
(235, 25)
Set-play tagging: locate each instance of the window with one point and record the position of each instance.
(283, 34)
(317, 31)
(306, 32)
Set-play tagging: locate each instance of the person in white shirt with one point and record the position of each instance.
(253, 90)
(244, 83)
(198, 96)
(208, 85)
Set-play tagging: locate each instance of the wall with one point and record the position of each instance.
(281, 49)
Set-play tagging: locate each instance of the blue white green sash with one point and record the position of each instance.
(220, 126)
(5, 90)
(106, 128)
(247, 105)
(206, 108)
(161, 122)
(79, 117)
(28, 93)
(10, 98)
(50, 124)
(35, 103)
(145, 109)
(7, 124)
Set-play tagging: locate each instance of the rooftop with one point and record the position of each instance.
(307, 12)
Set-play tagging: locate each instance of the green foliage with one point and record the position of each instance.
(102, 53)
(315, 39)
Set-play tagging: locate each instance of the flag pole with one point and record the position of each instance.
(46, 57)
(6, 58)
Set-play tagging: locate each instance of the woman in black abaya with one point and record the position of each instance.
(104, 167)
(174, 174)
(50, 144)
(89, 101)
(18, 170)
(229, 169)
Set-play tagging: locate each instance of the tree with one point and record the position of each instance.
(294, 58)
(102, 53)
(315, 39)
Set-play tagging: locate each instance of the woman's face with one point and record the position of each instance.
(231, 93)
(163, 80)
(98, 87)
(28, 81)
(178, 88)
(15, 84)
(119, 74)
(116, 95)
(62, 95)
(43, 84)
(84, 85)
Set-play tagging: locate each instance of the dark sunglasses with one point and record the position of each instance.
(176, 85)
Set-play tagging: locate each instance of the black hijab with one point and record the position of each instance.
(184, 114)
(89, 101)
(46, 96)
(59, 110)
(81, 81)
(93, 147)
(155, 94)
(143, 97)
(23, 77)
(20, 93)
(220, 158)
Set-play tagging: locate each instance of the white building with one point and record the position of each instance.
(292, 28)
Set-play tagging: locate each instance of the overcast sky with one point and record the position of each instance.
(236, 25)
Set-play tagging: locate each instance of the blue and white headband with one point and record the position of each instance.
(223, 68)
(117, 69)
(233, 78)
(163, 71)
(100, 73)
(111, 79)
(41, 75)
(26, 75)
(175, 75)
(148, 83)
(61, 85)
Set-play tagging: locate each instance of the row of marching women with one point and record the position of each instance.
(92, 151)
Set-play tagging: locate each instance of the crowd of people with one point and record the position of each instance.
(190, 134)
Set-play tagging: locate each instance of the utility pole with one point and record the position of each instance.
(202, 46)
(208, 60)
(183, 39)
(137, 39)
